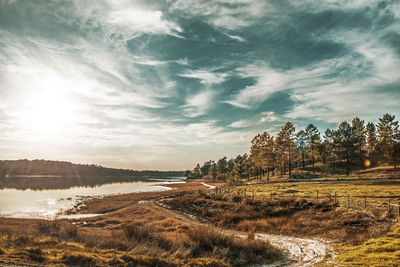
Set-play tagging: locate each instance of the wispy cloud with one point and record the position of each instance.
(123, 19)
(225, 14)
(239, 124)
(205, 77)
(198, 104)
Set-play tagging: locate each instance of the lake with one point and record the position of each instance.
(49, 203)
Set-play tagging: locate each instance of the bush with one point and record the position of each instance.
(237, 199)
(48, 226)
(36, 254)
(79, 259)
(137, 232)
(237, 250)
(71, 230)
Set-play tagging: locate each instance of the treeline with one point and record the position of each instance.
(68, 169)
(352, 146)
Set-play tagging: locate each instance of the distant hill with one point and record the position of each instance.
(26, 167)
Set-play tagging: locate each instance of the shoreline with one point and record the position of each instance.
(111, 203)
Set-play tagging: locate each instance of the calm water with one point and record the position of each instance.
(16, 203)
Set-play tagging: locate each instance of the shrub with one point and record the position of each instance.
(36, 254)
(237, 250)
(237, 199)
(71, 230)
(137, 232)
(79, 259)
(48, 226)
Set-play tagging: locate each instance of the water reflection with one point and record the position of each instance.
(48, 203)
(37, 182)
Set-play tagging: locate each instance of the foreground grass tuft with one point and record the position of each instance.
(382, 251)
(242, 250)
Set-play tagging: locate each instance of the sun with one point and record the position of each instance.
(48, 112)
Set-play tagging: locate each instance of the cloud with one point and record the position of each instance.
(239, 124)
(205, 77)
(236, 37)
(198, 104)
(138, 20)
(124, 18)
(269, 116)
(230, 15)
(270, 81)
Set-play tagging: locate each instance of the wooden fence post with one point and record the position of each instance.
(317, 196)
(330, 197)
(365, 202)
(245, 193)
(389, 206)
(398, 209)
(335, 197)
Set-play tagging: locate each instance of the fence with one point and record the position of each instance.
(363, 202)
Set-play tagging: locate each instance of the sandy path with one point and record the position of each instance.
(301, 251)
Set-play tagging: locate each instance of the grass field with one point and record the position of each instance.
(374, 193)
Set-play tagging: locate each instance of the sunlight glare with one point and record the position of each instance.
(49, 112)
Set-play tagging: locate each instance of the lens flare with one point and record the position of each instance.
(367, 163)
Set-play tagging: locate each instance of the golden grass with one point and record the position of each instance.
(71, 253)
(375, 193)
(382, 251)
(299, 217)
(141, 235)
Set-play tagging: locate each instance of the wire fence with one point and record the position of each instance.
(390, 204)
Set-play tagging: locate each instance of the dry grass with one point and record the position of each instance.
(297, 217)
(137, 236)
(376, 191)
(381, 251)
(207, 239)
(137, 232)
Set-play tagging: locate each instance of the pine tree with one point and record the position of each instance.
(329, 146)
(255, 153)
(286, 143)
(313, 138)
(267, 153)
(240, 168)
(212, 172)
(301, 141)
(222, 165)
(371, 143)
(359, 132)
(345, 144)
(389, 138)
(206, 168)
(196, 171)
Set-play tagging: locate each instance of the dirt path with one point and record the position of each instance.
(299, 251)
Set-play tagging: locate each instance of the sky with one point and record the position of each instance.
(168, 84)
